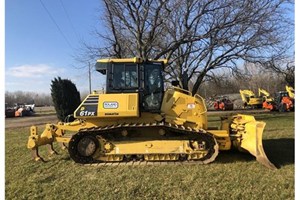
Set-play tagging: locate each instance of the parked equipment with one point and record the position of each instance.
(283, 102)
(250, 100)
(268, 101)
(22, 109)
(19, 110)
(265, 95)
(9, 111)
(290, 91)
(138, 120)
(223, 103)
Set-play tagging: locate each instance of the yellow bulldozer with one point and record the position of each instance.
(137, 119)
(250, 100)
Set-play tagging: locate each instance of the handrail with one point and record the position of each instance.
(203, 101)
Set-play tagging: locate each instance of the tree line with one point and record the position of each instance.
(39, 99)
(252, 80)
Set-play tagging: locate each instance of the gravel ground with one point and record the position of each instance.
(29, 121)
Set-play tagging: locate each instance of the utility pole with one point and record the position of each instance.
(90, 82)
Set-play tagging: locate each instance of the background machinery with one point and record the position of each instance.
(19, 110)
(136, 119)
(283, 102)
(223, 103)
(268, 101)
(250, 100)
(291, 91)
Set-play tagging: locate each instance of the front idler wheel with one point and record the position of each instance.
(82, 147)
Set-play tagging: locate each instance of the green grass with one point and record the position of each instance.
(233, 175)
(47, 110)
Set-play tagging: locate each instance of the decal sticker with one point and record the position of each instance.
(191, 106)
(86, 113)
(110, 105)
(88, 110)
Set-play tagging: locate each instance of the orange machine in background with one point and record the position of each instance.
(282, 102)
(223, 103)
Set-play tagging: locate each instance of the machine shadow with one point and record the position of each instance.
(280, 152)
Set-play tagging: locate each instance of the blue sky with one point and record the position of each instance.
(36, 50)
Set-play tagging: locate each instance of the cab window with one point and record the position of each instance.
(153, 91)
(124, 76)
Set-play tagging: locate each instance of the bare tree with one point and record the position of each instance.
(254, 77)
(227, 32)
(12, 98)
(134, 28)
(198, 37)
(283, 67)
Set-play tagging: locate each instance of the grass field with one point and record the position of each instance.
(233, 175)
(46, 110)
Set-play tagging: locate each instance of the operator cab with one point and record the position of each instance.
(279, 95)
(135, 76)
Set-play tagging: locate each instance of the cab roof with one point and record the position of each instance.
(102, 64)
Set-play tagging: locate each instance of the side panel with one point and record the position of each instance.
(88, 107)
(108, 105)
(182, 108)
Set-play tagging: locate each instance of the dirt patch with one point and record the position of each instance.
(29, 121)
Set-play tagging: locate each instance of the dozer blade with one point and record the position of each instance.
(251, 132)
